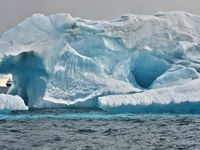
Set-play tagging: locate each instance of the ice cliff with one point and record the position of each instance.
(132, 61)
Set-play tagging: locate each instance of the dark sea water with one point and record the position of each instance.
(87, 129)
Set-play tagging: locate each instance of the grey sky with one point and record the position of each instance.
(13, 12)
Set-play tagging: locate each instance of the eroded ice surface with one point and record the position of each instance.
(59, 60)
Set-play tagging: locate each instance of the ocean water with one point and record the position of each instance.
(91, 129)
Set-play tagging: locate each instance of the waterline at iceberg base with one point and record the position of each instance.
(135, 63)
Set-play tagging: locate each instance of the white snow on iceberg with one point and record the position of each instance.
(60, 60)
(182, 98)
(9, 103)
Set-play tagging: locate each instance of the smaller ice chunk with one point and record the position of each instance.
(9, 103)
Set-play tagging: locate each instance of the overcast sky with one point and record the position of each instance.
(13, 12)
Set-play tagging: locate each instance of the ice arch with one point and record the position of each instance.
(29, 76)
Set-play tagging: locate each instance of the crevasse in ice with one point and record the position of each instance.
(132, 61)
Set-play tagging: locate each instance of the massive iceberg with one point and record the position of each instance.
(135, 63)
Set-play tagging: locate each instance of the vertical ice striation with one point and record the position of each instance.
(29, 76)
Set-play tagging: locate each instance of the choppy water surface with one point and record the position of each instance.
(95, 129)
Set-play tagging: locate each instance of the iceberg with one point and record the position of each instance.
(61, 61)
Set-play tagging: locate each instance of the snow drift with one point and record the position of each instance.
(63, 61)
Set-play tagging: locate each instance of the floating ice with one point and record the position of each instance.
(59, 60)
(9, 103)
(182, 98)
